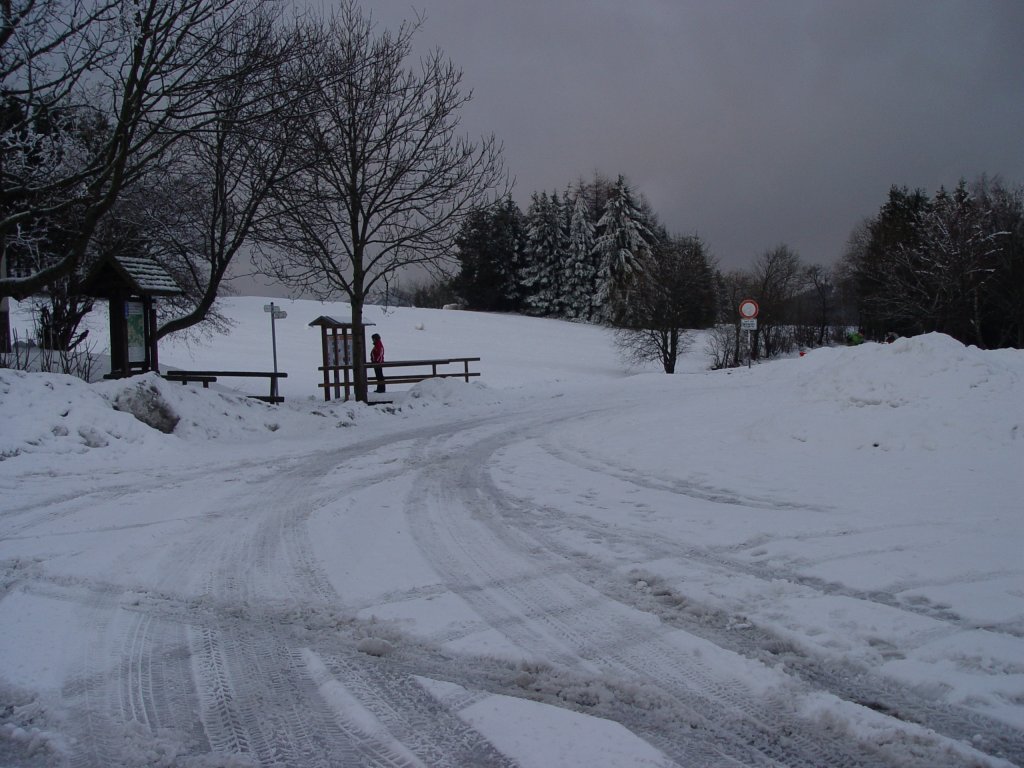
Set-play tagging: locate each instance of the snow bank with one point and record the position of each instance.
(49, 413)
(926, 392)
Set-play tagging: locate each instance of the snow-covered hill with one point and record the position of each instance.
(819, 560)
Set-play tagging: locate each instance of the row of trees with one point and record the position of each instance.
(952, 262)
(801, 306)
(621, 267)
(197, 130)
(565, 257)
(595, 253)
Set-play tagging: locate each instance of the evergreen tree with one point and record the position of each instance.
(580, 274)
(490, 252)
(1003, 301)
(871, 262)
(545, 250)
(951, 263)
(954, 260)
(623, 244)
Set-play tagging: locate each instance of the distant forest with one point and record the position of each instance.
(952, 262)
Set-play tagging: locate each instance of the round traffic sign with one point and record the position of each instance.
(748, 308)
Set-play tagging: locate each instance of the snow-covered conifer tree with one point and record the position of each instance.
(580, 274)
(623, 243)
(545, 248)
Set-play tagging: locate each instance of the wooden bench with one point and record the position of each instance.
(411, 377)
(205, 377)
(186, 376)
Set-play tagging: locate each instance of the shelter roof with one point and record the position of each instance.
(138, 274)
(329, 322)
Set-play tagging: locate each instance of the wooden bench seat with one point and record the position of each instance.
(185, 377)
(206, 377)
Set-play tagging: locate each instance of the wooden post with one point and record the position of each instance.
(5, 325)
(154, 359)
(346, 360)
(119, 366)
(323, 345)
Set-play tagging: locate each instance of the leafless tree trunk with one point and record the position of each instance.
(823, 290)
(390, 180)
(674, 293)
(777, 278)
(733, 287)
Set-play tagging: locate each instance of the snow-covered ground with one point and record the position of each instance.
(818, 561)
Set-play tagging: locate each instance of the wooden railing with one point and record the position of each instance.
(341, 377)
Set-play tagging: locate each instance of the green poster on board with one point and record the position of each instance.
(135, 312)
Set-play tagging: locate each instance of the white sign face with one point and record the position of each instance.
(268, 307)
(748, 324)
(280, 314)
(748, 308)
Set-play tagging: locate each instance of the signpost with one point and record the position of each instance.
(276, 313)
(748, 322)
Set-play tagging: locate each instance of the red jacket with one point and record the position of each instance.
(377, 353)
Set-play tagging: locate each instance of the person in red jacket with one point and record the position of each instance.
(377, 356)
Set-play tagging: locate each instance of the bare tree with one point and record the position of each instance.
(673, 294)
(819, 306)
(204, 208)
(777, 278)
(93, 93)
(725, 342)
(391, 179)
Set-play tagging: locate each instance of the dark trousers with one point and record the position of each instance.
(379, 372)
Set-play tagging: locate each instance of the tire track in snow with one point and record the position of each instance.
(296, 724)
(845, 680)
(719, 557)
(457, 519)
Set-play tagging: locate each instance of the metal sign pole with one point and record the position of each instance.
(273, 342)
(749, 310)
(275, 315)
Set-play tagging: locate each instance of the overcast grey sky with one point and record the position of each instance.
(750, 122)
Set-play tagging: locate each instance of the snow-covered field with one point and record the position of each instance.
(818, 561)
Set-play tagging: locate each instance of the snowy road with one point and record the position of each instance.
(399, 601)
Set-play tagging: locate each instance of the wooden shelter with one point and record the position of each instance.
(129, 284)
(338, 363)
